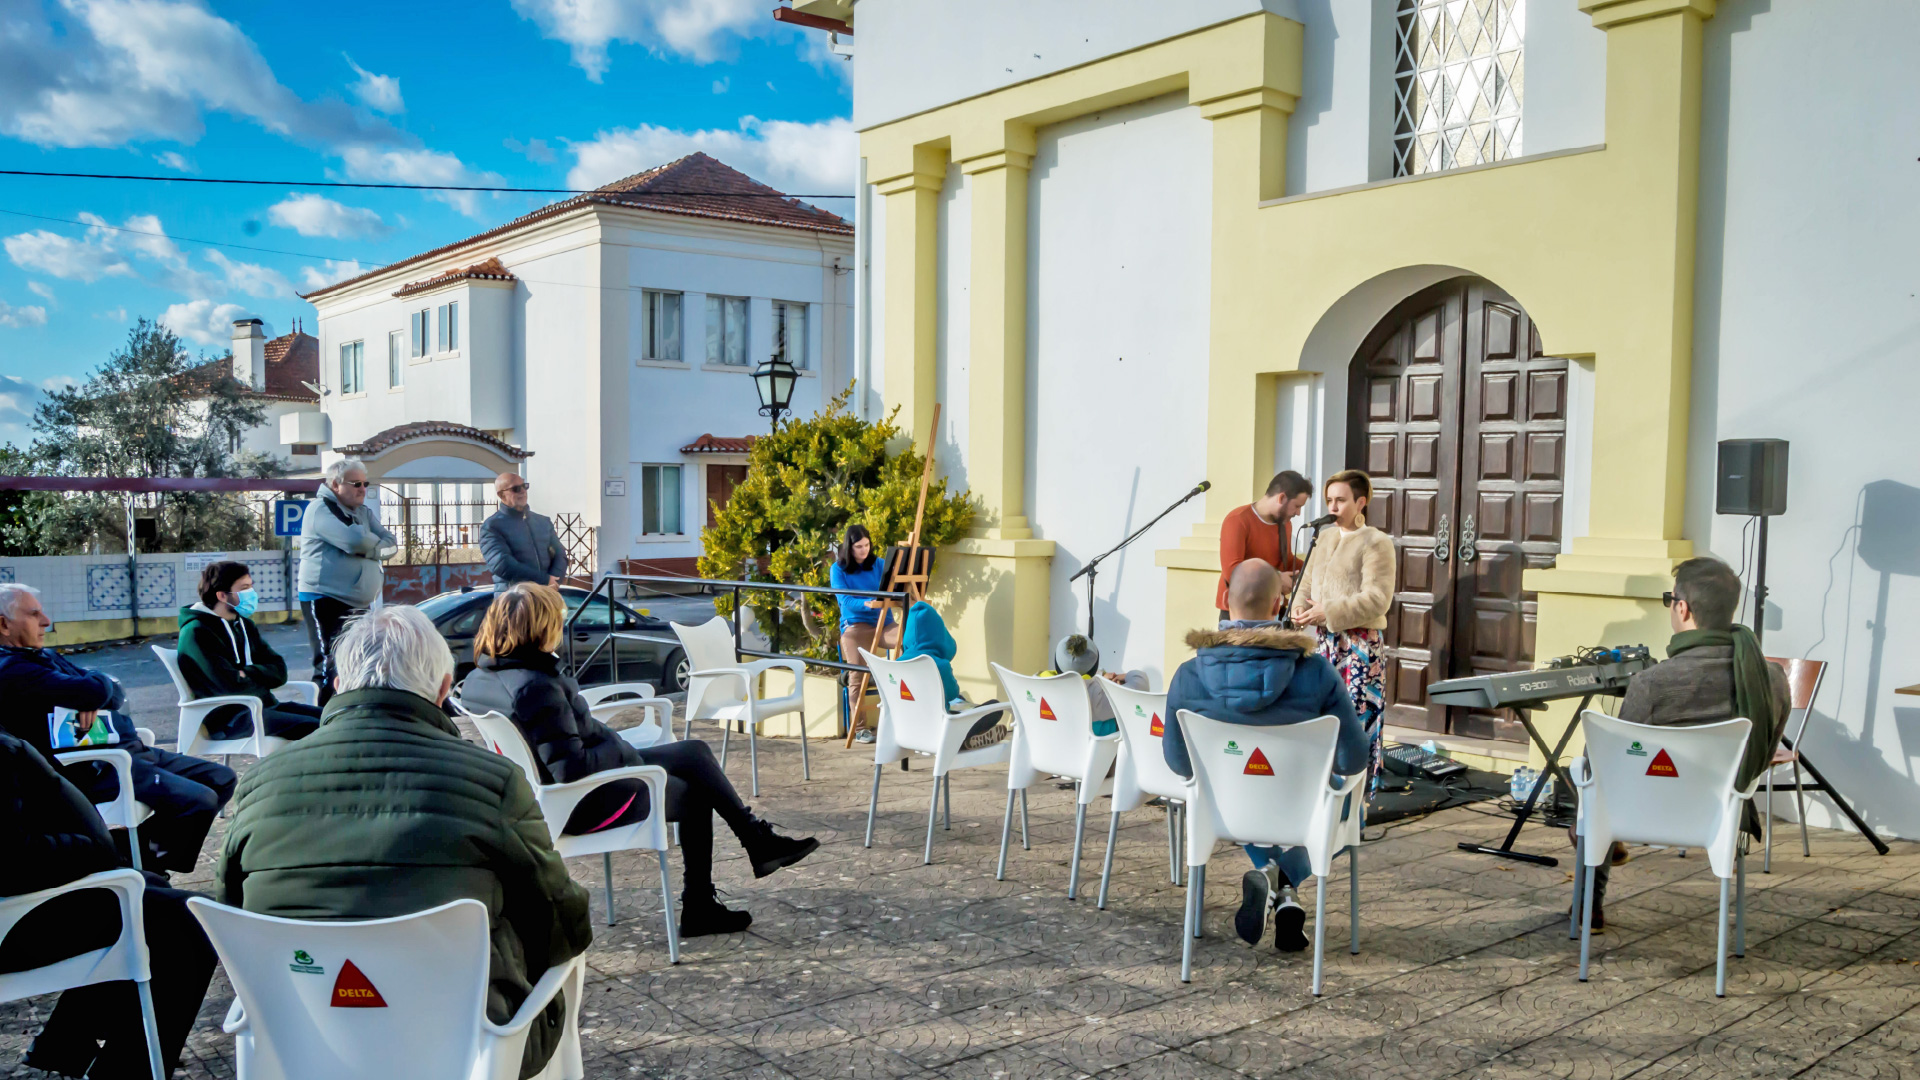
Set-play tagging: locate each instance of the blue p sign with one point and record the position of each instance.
(287, 516)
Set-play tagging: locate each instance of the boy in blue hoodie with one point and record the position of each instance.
(1255, 672)
(926, 634)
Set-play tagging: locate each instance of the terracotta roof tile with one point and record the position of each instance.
(490, 270)
(695, 186)
(291, 360)
(394, 436)
(720, 444)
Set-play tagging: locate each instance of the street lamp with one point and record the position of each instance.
(773, 381)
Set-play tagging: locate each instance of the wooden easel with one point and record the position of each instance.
(908, 571)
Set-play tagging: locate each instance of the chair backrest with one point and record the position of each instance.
(1142, 717)
(1054, 718)
(503, 737)
(1803, 679)
(913, 713)
(337, 1000)
(708, 644)
(125, 959)
(1262, 785)
(171, 658)
(1660, 785)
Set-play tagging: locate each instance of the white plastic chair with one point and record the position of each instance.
(195, 742)
(557, 803)
(916, 721)
(1053, 736)
(1140, 773)
(1271, 786)
(126, 960)
(125, 811)
(1641, 784)
(722, 687)
(417, 985)
(604, 701)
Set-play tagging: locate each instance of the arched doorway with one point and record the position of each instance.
(1463, 425)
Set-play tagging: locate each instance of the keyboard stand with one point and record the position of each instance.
(1505, 850)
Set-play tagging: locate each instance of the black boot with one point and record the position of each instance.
(701, 914)
(769, 851)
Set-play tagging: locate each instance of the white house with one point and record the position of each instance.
(1526, 261)
(600, 346)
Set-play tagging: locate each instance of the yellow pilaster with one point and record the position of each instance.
(997, 385)
(911, 190)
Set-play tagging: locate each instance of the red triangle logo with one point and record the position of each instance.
(1156, 729)
(905, 693)
(1046, 710)
(1257, 765)
(1662, 765)
(352, 990)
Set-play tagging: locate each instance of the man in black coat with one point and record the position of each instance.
(183, 792)
(518, 544)
(50, 835)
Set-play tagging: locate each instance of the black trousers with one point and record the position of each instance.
(183, 961)
(697, 791)
(290, 720)
(325, 618)
(183, 792)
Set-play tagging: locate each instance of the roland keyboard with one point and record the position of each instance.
(1529, 689)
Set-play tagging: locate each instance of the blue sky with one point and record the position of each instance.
(550, 93)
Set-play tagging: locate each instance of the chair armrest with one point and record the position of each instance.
(236, 1020)
(1580, 771)
(301, 690)
(558, 801)
(147, 735)
(762, 666)
(204, 705)
(979, 711)
(596, 695)
(721, 673)
(1341, 785)
(659, 709)
(543, 992)
(122, 762)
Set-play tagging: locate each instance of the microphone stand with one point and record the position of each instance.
(1286, 613)
(1092, 568)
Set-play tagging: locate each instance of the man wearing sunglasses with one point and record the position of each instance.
(518, 544)
(342, 547)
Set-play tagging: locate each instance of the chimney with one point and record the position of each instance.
(250, 353)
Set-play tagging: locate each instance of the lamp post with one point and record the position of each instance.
(773, 381)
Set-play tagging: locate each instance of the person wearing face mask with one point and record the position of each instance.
(222, 653)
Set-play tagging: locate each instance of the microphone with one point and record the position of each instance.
(1199, 487)
(1322, 522)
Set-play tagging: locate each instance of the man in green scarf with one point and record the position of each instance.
(1714, 671)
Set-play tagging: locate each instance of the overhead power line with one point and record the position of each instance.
(185, 239)
(402, 187)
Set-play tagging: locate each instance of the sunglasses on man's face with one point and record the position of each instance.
(356, 483)
(1667, 599)
(517, 489)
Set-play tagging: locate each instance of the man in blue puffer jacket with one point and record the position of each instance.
(1254, 671)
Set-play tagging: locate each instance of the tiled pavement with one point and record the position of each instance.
(864, 963)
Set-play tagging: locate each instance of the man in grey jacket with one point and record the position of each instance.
(518, 544)
(342, 547)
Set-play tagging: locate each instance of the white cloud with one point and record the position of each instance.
(419, 167)
(175, 160)
(534, 150)
(88, 258)
(314, 277)
(381, 93)
(16, 317)
(204, 322)
(118, 314)
(720, 86)
(696, 29)
(250, 278)
(40, 289)
(806, 159)
(317, 215)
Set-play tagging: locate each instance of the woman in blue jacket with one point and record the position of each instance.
(855, 566)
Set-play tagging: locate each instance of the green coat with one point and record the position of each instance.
(212, 657)
(386, 810)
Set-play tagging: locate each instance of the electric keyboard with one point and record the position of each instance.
(1529, 689)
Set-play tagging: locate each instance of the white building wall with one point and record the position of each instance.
(1805, 330)
(1120, 247)
(1565, 99)
(953, 337)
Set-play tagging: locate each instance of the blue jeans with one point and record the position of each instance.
(1294, 865)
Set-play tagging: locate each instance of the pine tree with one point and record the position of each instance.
(805, 484)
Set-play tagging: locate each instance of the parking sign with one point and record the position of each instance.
(287, 516)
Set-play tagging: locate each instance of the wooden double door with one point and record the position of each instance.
(1462, 424)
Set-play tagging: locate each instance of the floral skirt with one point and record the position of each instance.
(1360, 658)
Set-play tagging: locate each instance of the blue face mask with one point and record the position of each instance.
(245, 603)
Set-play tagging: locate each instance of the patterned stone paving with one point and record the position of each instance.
(865, 964)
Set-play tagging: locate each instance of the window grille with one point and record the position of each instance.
(1459, 74)
(790, 333)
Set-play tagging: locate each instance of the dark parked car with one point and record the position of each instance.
(457, 615)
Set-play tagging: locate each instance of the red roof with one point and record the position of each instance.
(292, 359)
(394, 436)
(694, 186)
(490, 270)
(720, 444)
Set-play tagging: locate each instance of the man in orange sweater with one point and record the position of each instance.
(1263, 529)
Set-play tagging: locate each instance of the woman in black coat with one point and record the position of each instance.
(517, 674)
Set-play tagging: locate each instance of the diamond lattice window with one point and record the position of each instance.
(1458, 77)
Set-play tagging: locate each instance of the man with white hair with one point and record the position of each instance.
(386, 810)
(342, 546)
(37, 684)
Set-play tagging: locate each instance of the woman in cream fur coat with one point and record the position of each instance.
(1345, 597)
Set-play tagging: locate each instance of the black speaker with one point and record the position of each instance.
(1753, 477)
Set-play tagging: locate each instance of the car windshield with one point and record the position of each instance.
(595, 617)
(438, 607)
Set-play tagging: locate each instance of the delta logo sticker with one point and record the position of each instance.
(1662, 766)
(353, 990)
(1046, 710)
(1257, 765)
(1157, 729)
(303, 964)
(906, 692)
